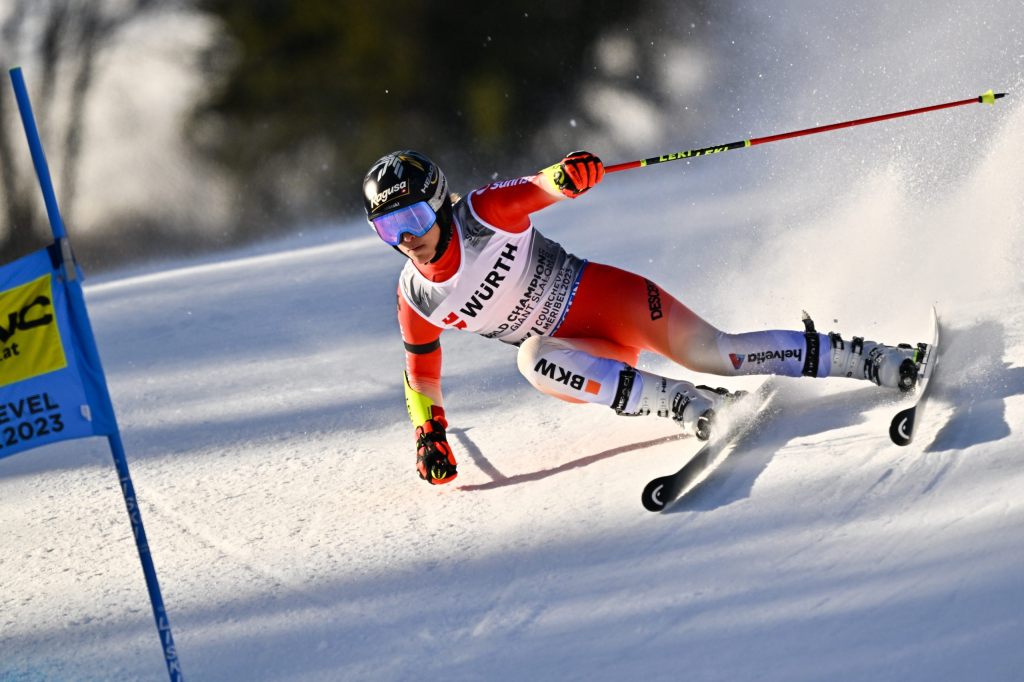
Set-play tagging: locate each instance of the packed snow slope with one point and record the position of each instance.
(261, 405)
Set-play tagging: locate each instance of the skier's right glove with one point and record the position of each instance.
(434, 459)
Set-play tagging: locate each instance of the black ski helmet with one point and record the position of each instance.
(403, 178)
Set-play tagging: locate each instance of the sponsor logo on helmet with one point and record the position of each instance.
(430, 180)
(391, 160)
(386, 195)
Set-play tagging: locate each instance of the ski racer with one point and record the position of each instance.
(478, 264)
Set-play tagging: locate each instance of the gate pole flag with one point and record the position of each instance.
(52, 385)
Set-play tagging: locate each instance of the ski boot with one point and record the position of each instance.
(692, 407)
(705, 418)
(890, 366)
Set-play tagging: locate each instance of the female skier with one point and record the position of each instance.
(478, 264)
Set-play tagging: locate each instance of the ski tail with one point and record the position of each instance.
(901, 428)
(731, 425)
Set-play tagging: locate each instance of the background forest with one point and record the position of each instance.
(177, 127)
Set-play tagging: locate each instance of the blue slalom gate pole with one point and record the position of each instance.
(88, 342)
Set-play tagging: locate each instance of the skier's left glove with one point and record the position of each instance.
(577, 173)
(434, 459)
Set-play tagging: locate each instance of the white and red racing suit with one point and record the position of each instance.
(577, 323)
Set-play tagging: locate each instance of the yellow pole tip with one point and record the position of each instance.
(988, 98)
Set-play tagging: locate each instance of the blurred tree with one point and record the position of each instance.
(65, 38)
(296, 99)
(311, 92)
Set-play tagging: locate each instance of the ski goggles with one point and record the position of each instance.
(415, 220)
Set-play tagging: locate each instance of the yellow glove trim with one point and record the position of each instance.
(555, 176)
(416, 403)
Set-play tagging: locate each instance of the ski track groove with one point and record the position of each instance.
(158, 506)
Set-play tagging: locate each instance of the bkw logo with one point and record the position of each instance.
(566, 377)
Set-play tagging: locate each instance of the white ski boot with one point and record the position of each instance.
(692, 407)
(890, 366)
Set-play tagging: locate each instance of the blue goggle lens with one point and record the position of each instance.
(415, 220)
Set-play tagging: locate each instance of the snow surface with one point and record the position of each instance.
(259, 397)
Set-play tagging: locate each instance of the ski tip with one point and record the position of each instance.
(901, 430)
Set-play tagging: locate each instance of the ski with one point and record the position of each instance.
(901, 429)
(737, 421)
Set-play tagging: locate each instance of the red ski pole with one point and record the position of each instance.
(987, 98)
